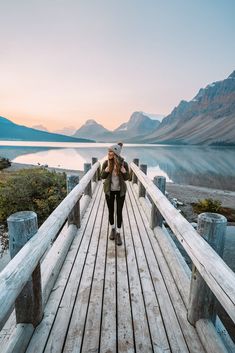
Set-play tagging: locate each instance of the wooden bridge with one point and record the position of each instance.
(75, 291)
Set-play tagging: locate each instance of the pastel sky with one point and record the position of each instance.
(65, 61)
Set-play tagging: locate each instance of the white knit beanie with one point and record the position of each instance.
(116, 149)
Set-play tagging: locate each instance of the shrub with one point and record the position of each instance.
(37, 190)
(4, 163)
(207, 205)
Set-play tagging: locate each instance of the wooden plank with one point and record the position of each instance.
(50, 267)
(218, 276)
(176, 263)
(91, 337)
(173, 329)
(20, 338)
(75, 332)
(142, 338)
(202, 303)
(22, 226)
(68, 279)
(157, 329)
(15, 275)
(190, 335)
(211, 340)
(108, 324)
(181, 273)
(124, 315)
(54, 260)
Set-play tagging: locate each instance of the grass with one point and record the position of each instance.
(215, 206)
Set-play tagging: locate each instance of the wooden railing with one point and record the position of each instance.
(18, 272)
(208, 265)
(216, 274)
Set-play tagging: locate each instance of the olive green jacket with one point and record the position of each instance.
(122, 178)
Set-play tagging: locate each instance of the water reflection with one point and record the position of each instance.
(204, 166)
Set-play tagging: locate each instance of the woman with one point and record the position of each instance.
(115, 171)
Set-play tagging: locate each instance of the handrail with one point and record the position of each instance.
(15, 275)
(218, 276)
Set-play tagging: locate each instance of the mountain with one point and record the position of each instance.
(12, 131)
(39, 127)
(139, 124)
(155, 116)
(68, 131)
(91, 129)
(209, 118)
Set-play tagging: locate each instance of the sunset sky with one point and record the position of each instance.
(65, 61)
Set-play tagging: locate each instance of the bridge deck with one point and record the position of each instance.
(115, 299)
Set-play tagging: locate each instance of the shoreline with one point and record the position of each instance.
(188, 194)
(19, 166)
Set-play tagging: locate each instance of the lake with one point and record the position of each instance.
(196, 165)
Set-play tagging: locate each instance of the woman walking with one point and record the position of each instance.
(115, 171)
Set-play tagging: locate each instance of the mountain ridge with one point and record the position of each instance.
(138, 124)
(209, 118)
(13, 132)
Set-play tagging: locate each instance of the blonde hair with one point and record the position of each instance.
(114, 165)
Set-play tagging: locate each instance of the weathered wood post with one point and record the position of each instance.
(156, 218)
(28, 306)
(134, 177)
(87, 191)
(141, 188)
(96, 176)
(74, 216)
(212, 227)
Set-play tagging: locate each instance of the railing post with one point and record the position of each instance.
(134, 177)
(212, 227)
(74, 216)
(156, 218)
(141, 188)
(96, 176)
(87, 191)
(28, 306)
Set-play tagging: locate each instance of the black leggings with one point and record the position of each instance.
(110, 202)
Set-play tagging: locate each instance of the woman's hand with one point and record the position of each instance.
(108, 167)
(123, 169)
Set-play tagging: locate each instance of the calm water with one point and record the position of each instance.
(203, 166)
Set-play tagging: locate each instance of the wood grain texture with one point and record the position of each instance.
(210, 339)
(15, 275)
(88, 191)
(218, 276)
(141, 188)
(108, 335)
(118, 299)
(125, 337)
(91, 337)
(176, 320)
(61, 301)
(142, 336)
(74, 338)
(134, 177)
(19, 339)
(212, 228)
(28, 305)
(156, 326)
